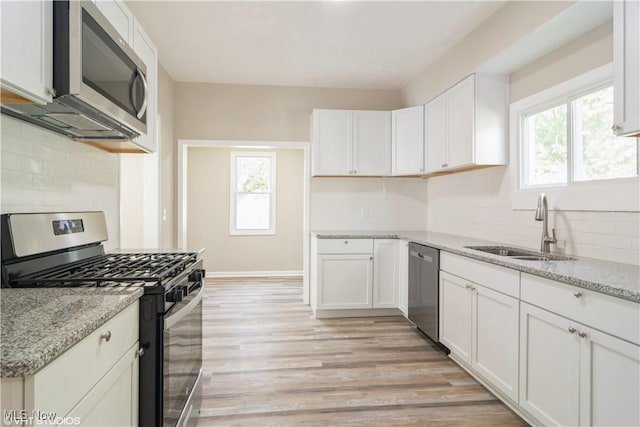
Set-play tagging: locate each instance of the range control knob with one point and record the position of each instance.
(196, 276)
(174, 295)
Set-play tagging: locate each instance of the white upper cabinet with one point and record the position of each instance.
(626, 63)
(27, 47)
(407, 141)
(331, 147)
(371, 142)
(347, 142)
(435, 137)
(118, 15)
(466, 126)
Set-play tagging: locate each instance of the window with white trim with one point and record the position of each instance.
(253, 193)
(569, 140)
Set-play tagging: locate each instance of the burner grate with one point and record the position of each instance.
(113, 268)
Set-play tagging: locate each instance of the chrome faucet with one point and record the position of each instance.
(542, 212)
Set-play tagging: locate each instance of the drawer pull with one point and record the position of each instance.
(106, 336)
(572, 329)
(140, 352)
(346, 242)
(582, 334)
(577, 294)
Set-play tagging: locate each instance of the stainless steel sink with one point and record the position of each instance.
(520, 254)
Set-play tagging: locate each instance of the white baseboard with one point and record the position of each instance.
(217, 274)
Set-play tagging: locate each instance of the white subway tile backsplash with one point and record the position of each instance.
(43, 172)
(476, 204)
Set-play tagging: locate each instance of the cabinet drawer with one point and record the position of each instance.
(63, 382)
(494, 277)
(609, 314)
(345, 246)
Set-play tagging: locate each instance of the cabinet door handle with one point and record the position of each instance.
(444, 165)
(616, 127)
(106, 336)
(577, 294)
(582, 334)
(572, 329)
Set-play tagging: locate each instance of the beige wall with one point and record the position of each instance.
(585, 53)
(208, 214)
(511, 23)
(275, 113)
(166, 101)
(260, 113)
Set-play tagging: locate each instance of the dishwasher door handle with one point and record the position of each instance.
(421, 256)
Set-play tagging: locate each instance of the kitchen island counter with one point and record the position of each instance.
(40, 324)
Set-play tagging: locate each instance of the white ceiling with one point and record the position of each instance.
(341, 44)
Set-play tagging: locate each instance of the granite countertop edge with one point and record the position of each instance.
(28, 364)
(543, 269)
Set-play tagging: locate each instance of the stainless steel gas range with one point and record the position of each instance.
(65, 250)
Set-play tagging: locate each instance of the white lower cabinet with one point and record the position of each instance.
(354, 274)
(385, 273)
(346, 281)
(571, 374)
(95, 382)
(480, 327)
(403, 276)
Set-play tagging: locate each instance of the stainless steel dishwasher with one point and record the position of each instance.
(424, 266)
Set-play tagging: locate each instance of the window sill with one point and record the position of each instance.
(252, 233)
(608, 195)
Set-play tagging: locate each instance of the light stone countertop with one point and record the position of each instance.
(38, 325)
(616, 279)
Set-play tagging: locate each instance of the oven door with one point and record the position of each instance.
(182, 361)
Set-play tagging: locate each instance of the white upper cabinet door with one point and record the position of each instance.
(385, 273)
(332, 139)
(407, 129)
(118, 15)
(626, 63)
(460, 124)
(144, 47)
(27, 47)
(435, 137)
(371, 143)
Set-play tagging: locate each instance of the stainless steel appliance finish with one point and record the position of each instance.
(36, 233)
(424, 265)
(170, 323)
(99, 82)
(542, 213)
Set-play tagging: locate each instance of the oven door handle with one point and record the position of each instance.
(177, 316)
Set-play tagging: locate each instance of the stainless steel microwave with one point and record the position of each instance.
(100, 86)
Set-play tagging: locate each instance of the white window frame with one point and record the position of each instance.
(233, 231)
(618, 194)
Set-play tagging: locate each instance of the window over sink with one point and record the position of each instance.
(562, 143)
(253, 190)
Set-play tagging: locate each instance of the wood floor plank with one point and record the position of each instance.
(268, 361)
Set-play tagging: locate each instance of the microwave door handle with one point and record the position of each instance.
(143, 108)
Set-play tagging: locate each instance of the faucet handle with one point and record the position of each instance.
(553, 236)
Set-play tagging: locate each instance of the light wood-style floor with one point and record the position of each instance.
(267, 361)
